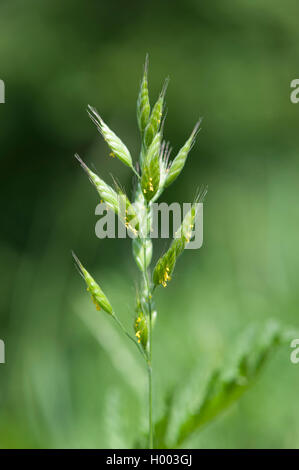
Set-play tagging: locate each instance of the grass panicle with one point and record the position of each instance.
(154, 174)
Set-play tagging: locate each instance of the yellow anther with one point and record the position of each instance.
(111, 154)
(165, 277)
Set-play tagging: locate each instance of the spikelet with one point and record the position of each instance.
(143, 104)
(140, 326)
(184, 234)
(165, 265)
(127, 213)
(153, 150)
(118, 148)
(179, 161)
(150, 178)
(107, 194)
(165, 151)
(154, 121)
(142, 254)
(97, 295)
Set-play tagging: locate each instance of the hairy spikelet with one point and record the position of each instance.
(107, 194)
(118, 148)
(154, 122)
(97, 295)
(150, 178)
(179, 161)
(184, 233)
(165, 151)
(165, 265)
(143, 103)
(164, 268)
(153, 150)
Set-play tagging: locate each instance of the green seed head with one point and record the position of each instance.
(107, 194)
(140, 326)
(153, 150)
(164, 267)
(143, 104)
(187, 226)
(179, 161)
(154, 121)
(97, 295)
(127, 213)
(118, 148)
(150, 178)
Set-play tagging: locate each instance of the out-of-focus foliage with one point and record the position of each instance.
(68, 370)
(220, 389)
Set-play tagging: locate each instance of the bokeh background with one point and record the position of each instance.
(70, 378)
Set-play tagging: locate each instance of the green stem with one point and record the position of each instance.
(136, 172)
(150, 406)
(128, 335)
(150, 387)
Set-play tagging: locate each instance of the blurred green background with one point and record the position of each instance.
(70, 378)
